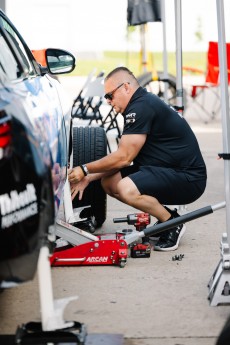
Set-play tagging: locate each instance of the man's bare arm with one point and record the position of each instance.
(129, 147)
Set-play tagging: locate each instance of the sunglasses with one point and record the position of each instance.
(109, 95)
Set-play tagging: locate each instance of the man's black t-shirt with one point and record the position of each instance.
(170, 141)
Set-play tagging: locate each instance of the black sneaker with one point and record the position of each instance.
(173, 213)
(155, 237)
(169, 240)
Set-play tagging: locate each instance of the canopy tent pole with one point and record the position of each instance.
(144, 60)
(219, 284)
(178, 28)
(224, 103)
(165, 56)
(179, 82)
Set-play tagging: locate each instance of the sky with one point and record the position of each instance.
(98, 25)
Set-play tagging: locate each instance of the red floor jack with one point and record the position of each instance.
(83, 248)
(108, 249)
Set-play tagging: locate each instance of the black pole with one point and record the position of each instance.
(156, 229)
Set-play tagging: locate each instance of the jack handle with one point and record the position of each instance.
(156, 229)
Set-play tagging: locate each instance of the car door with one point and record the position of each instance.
(41, 97)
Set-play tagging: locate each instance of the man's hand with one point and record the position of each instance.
(79, 188)
(75, 175)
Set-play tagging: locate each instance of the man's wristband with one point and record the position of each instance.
(84, 169)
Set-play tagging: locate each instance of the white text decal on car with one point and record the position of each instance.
(16, 207)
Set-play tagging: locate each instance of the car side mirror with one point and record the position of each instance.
(59, 61)
(54, 61)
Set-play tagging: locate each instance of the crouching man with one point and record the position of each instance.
(158, 161)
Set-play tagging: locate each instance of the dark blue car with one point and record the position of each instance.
(34, 120)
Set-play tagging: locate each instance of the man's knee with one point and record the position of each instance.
(127, 190)
(108, 186)
(105, 185)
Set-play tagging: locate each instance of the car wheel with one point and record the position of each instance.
(90, 144)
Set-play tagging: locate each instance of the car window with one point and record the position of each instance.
(8, 63)
(18, 45)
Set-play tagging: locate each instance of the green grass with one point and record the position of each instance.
(132, 60)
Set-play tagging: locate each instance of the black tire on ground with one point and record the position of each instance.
(90, 144)
(171, 83)
(157, 86)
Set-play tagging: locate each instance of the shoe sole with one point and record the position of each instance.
(176, 245)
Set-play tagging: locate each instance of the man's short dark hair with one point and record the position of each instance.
(120, 69)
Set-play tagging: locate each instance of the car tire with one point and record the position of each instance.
(90, 144)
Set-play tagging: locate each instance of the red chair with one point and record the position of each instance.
(205, 95)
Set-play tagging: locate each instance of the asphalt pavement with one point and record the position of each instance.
(151, 301)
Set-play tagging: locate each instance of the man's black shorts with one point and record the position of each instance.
(167, 185)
